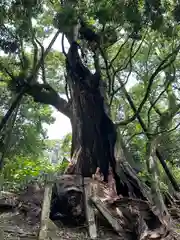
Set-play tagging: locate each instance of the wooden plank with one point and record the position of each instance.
(90, 215)
(2, 234)
(45, 212)
(107, 214)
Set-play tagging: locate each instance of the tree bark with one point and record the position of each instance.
(157, 197)
(45, 94)
(93, 132)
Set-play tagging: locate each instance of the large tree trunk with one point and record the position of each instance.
(94, 134)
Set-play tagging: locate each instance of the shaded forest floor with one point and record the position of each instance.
(16, 227)
(22, 221)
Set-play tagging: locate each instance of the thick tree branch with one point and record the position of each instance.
(29, 79)
(44, 93)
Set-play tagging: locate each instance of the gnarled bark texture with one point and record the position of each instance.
(94, 134)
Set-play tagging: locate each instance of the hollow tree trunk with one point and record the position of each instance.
(89, 132)
(93, 132)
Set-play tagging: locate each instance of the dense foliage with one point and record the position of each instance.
(139, 62)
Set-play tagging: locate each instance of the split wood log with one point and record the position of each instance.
(45, 212)
(108, 215)
(90, 215)
(162, 215)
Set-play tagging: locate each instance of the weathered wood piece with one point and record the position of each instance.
(2, 234)
(45, 212)
(90, 215)
(107, 214)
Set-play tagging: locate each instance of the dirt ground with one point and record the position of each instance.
(16, 227)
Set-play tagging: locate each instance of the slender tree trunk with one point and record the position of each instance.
(160, 209)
